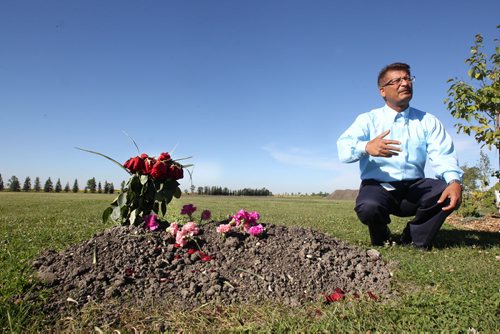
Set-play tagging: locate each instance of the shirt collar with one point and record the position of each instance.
(391, 113)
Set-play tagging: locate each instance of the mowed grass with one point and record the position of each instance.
(453, 288)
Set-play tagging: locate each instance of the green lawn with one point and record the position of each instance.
(452, 288)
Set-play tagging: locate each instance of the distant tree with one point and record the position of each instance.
(75, 186)
(111, 188)
(99, 188)
(27, 184)
(192, 188)
(470, 178)
(106, 187)
(58, 188)
(48, 187)
(91, 185)
(485, 170)
(200, 190)
(14, 184)
(67, 188)
(478, 104)
(1, 183)
(37, 187)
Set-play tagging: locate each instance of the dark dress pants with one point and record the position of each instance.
(416, 198)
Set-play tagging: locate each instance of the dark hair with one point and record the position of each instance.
(392, 67)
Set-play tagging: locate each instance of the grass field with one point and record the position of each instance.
(453, 288)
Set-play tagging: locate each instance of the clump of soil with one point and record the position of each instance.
(288, 265)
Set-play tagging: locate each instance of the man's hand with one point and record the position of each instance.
(380, 147)
(454, 193)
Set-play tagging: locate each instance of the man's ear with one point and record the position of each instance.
(382, 92)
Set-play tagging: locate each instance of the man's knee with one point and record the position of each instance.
(369, 211)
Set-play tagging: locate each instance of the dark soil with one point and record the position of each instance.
(287, 265)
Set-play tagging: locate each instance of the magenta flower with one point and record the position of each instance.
(223, 228)
(256, 230)
(151, 222)
(188, 209)
(206, 215)
(253, 216)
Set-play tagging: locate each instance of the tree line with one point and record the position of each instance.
(220, 191)
(14, 185)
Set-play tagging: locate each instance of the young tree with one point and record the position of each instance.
(99, 188)
(66, 188)
(106, 187)
(48, 187)
(111, 188)
(91, 185)
(14, 184)
(478, 104)
(37, 187)
(1, 183)
(58, 188)
(75, 186)
(27, 184)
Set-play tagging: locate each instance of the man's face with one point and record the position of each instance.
(397, 94)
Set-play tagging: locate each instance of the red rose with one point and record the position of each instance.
(164, 156)
(175, 172)
(144, 156)
(148, 166)
(134, 164)
(159, 171)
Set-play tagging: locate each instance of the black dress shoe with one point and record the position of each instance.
(405, 236)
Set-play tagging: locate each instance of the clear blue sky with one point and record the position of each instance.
(256, 91)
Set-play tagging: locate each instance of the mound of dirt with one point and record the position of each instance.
(287, 265)
(343, 194)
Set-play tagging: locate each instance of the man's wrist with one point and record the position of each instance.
(455, 181)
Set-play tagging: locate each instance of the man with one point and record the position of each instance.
(392, 145)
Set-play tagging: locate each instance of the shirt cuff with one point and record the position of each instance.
(361, 148)
(448, 176)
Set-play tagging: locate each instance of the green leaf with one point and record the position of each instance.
(177, 192)
(105, 156)
(133, 216)
(106, 214)
(116, 214)
(122, 199)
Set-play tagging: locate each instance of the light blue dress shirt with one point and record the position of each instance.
(422, 137)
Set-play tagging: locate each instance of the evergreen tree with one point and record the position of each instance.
(37, 186)
(99, 188)
(75, 186)
(66, 188)
(1, 183)
(27, 184)
(111, 188)
(91, 185)
(48, 187)
(58, 186)
(14, 184)
(106, 187)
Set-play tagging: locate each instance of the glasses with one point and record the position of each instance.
(398, 81)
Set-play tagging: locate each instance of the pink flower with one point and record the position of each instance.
(206, 215)
(190, 229)
(151, 222)
(223, 228)
(256, 230)
(253, 216)
(188, 209)
(181, 238)
(173, 229)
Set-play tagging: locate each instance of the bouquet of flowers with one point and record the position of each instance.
(243, 221)
(151, 186)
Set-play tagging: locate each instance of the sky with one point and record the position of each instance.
(255, 92)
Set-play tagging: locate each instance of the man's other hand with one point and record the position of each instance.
(454, 193)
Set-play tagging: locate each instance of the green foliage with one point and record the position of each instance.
(91, 185)
(37, 186)
(478, 104)
(75, 188)
(141, 196)
(27, 184)
(67, 188)
(48, 187)
(14, 184)
(1, 183)
(58, 187)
